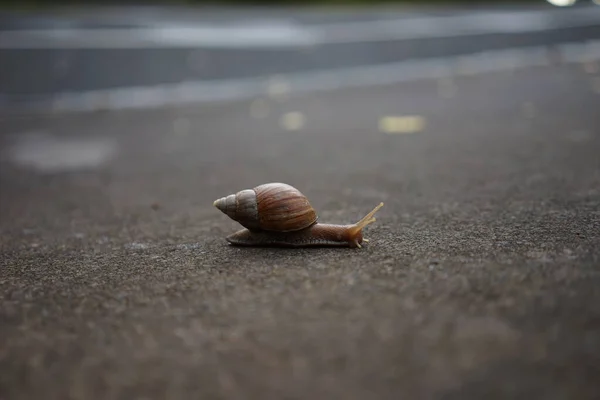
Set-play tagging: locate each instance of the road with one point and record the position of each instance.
(480, 279)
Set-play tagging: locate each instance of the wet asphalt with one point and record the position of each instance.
(481, 278)
(28, 74)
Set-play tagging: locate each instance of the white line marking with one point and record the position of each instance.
(197, 92)
(456, 26)
(285, 34)
(158, 37)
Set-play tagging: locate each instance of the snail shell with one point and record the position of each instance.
(270, 207)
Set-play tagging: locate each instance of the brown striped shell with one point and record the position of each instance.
(270, 207)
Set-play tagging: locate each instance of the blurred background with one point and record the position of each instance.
(96, 50)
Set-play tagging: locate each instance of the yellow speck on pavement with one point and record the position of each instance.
(292, 121)
(402, 124)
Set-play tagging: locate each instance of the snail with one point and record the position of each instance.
(277, 214)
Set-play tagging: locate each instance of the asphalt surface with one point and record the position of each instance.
(481, 278)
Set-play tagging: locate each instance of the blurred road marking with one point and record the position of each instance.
(46, 153)
(292, 121)
(196, 92)
(476, 23)
(158, 37)
(283, 34)
(402, 125)
(562, 3)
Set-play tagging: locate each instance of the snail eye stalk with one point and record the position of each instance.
(366, 220)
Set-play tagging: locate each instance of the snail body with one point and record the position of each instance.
(277, 214)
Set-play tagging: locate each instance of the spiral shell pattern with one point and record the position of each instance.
(270, 207)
